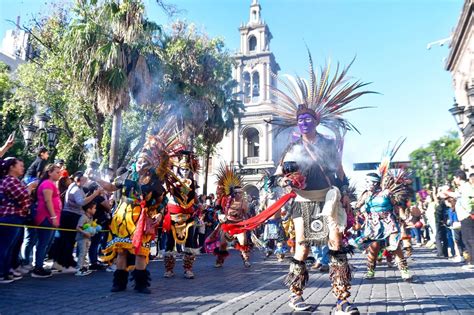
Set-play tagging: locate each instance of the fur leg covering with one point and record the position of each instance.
(142, 280)
(120, 280)
(297, 277)
(221, 255)
(402, 263)
(340, 273)
(170, 262)
(188, 261)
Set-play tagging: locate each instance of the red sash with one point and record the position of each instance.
(254, 222)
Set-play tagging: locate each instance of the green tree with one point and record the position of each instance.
(112, 43)
(436, 163)
(198, 75)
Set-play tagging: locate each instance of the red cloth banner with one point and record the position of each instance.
(254, 222)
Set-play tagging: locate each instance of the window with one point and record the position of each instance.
(252, 43)
(246, 81)
(252, 146)
(255, 86)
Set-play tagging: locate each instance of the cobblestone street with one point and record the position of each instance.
(441, 287)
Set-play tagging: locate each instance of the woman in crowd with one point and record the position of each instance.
(14, 203)
(74, 200)
(48, 214)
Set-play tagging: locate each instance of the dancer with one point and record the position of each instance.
(234, 209)
(137, 216)
(381, 228)
(180, 211)
(312, 167)
(273, 234)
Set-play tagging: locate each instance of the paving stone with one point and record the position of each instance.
(442, 287)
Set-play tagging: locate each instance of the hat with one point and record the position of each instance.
(59, 161)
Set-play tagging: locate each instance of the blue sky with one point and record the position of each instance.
(388, 37)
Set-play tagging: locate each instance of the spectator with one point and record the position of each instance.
(102, 216)
(48, 214)
(62, 165)
(8, 144)
(14, 203)
(36, 168)
(416, 230)
(72, 211)
(465, 213)
(455, 229)
(441, 214)
(83, 238)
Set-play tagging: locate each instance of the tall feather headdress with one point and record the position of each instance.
(325, 95)
(227, 178)
(396, 181)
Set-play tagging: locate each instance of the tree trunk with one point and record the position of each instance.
(206, 169)
(115, 139)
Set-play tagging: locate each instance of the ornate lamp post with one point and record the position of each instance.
(457, 112)
(41, 132)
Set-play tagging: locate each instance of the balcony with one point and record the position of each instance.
(251, 160)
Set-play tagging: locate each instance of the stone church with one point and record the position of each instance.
(253, 146)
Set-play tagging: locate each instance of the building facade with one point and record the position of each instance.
(254, 146)
(16, 47)
(460, 63)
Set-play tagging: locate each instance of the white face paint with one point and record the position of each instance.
(142, 164)
(183, 172)
(371, 185)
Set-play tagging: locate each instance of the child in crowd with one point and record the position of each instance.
(83, 238)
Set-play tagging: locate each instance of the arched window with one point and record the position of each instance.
(255, 86)
(252, 143)
(252, 43)
(246, 81)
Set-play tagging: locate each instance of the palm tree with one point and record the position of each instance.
(225, 108)
(109, 44)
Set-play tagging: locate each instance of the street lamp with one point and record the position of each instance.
(457, 112)
(30, 131)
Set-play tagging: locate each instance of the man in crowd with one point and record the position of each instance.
(37, 167)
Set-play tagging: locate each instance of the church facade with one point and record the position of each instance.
(254, 146)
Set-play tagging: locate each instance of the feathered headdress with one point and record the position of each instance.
(325, 98)
(228, 179)
(396, 181)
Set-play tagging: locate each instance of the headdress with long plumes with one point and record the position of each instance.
(325, 98)
(228, 179)
(396, 181)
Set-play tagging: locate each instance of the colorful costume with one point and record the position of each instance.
(234, 210)
(381, 228)
(273, 233)
(134, 222)
(312, 167)
(180, 212)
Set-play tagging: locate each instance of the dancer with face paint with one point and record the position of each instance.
(379, 204)
(181, 208)
(312, 166)
(234, 209)
(138, 214)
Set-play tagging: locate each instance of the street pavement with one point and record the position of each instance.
(441, 287)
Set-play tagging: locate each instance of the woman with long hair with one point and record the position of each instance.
(48, 214)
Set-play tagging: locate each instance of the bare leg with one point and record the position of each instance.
(244, 248)
(298, 275)
(402, 264)
(221, 252)
(373, 252)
